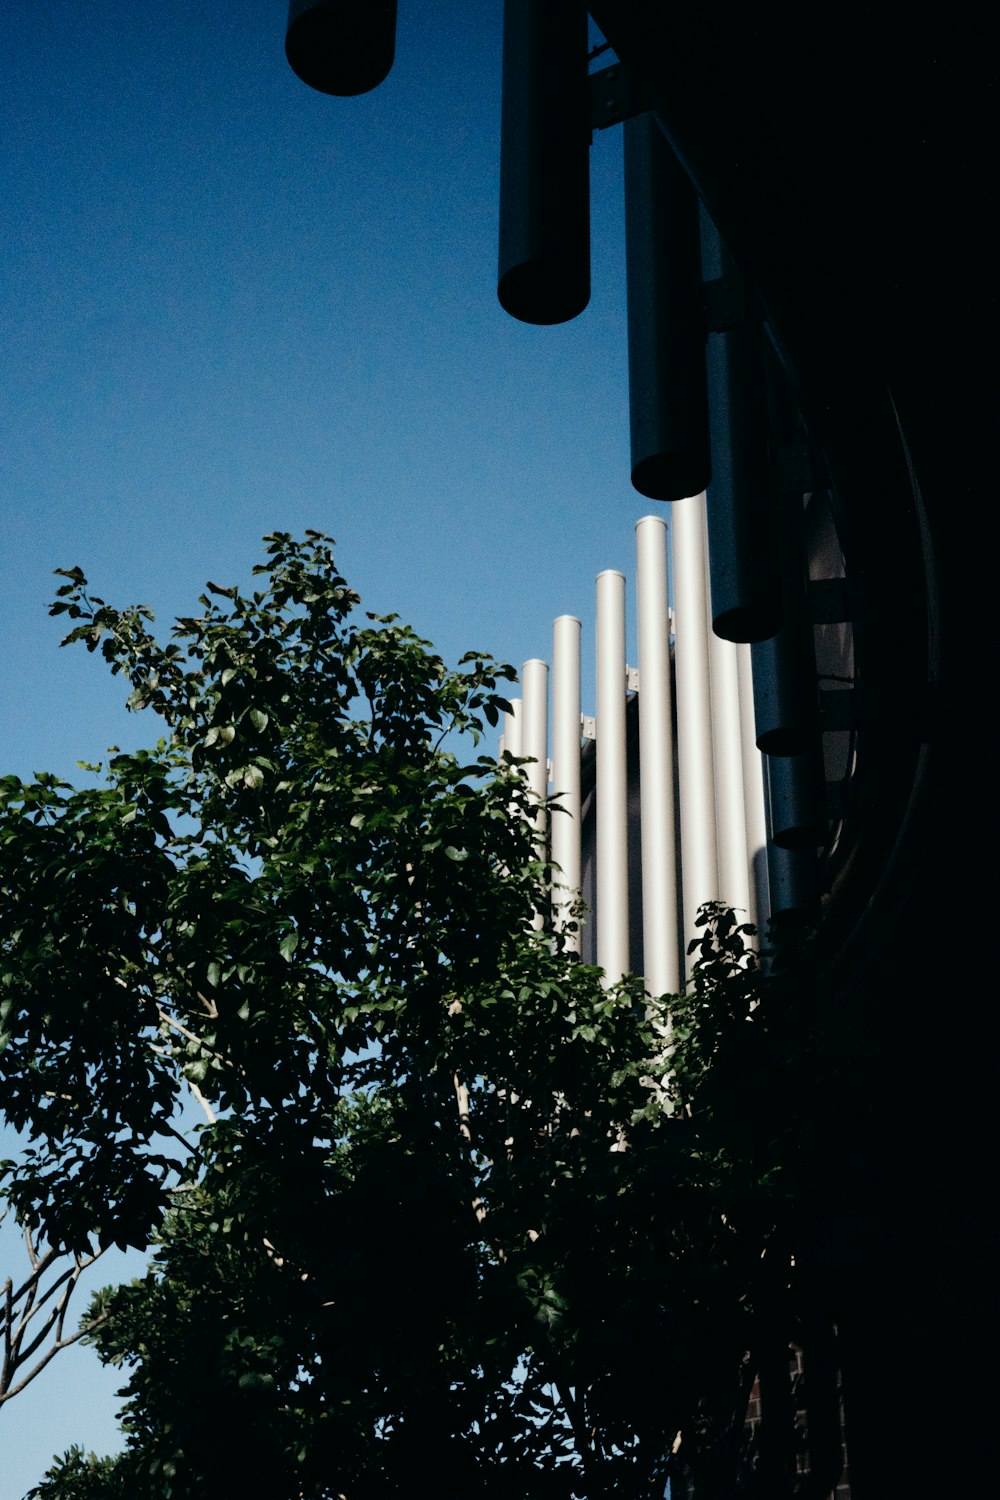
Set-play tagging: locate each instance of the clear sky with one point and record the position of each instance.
(229, 305)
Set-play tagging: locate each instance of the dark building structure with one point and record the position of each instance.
(847, 160)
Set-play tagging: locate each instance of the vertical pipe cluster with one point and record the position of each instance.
(565, 819)
(708, 843)
(544, 262)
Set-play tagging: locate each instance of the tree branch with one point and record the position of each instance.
(21, 1308)
(8, 1393)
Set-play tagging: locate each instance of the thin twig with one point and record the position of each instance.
(6, 1369)
(31, 1286)
(190, 1036)
(50, 1353)
(21, 1308)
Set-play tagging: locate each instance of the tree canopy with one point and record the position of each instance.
(452, 1206)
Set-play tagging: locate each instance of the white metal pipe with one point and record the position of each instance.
(753, 796)
(695, 767)
(661, 949)
(734, 877)
(611, 859)
(511, 742)
(535, 745)
(565, 825)
(535, 733)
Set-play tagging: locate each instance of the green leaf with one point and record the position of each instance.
(441, 1157)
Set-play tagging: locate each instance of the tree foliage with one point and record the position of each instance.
(452, 1210)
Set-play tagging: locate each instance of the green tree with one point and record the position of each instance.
(447, 1191)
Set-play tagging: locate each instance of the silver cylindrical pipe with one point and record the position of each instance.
(695, 767)
(660, 926)
(753, 796)
(511, 742)
(611, 862)
(734, 879)
(535, 746)
(535, 733)
(565, 824)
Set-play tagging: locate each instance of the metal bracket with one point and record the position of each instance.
(631, 679)
(613, 97)
(588, 726)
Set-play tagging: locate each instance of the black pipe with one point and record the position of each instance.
(786, 700)
(793, 884)
(544, 264)
(668, 400)
(341, 48)
(746, 596)
(796, 800)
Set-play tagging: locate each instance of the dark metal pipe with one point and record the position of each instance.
(796, 800)
(786, 701)
(339, 47)
(544, 268)
(793, 883)
(746, 596)
(668, 401)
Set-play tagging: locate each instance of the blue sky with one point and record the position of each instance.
(229, 305)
